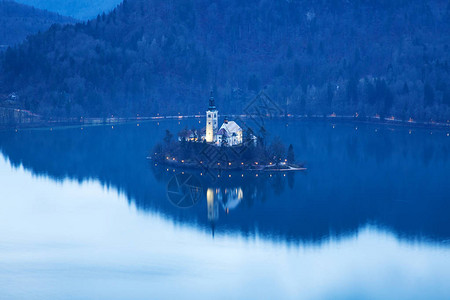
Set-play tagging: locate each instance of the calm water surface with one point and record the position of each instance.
(84, 215)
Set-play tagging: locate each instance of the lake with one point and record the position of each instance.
(85, 215)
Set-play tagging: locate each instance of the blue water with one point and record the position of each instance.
(84, 215)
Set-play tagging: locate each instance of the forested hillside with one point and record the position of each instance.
(312, 57)
(18, 20)
(79, 9)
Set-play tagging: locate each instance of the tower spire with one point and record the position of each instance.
(212, 104)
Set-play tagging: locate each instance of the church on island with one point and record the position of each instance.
(229, 139)
(229, 134)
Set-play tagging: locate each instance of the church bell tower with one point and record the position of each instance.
(212, 123)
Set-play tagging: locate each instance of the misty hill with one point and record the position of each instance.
(18, 20)
(79, 9)
(370, 57)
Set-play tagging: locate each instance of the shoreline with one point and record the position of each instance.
(57, 123)
(247, 168)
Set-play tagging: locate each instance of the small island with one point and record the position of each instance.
(228, 147)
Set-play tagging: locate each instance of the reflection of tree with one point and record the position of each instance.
(291, 180)
(278, 183)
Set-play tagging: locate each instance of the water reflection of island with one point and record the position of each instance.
(225, 192)
(390, 179)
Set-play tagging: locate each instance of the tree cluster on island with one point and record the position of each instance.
(259, 155)
(313, 57)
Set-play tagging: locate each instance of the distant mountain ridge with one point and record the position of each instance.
(17, 21)
(79, 9)
(156, 56)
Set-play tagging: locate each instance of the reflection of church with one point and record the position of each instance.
(229, 134)
(227, 198)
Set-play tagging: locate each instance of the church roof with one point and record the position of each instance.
(231, 127)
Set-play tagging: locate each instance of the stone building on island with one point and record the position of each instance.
(229, 134)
